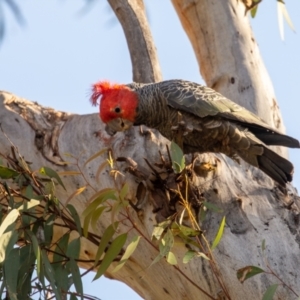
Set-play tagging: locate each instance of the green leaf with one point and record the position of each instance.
(96, 216)
(10, 219)
(171, 259)
(186, 231)
(128, 252)
(52, 174)
(27, 264)
(248, 272)
(61, 248)
(76, 277)
(254, 11)
(74, 248)
(7, 173)
(40, 267)
(157, 259)
(160, 228)
(98, 198)
(115, 210)
(124, 191)
(73, 297)
(177, 156)
(48, 229)
(270, 292)
(50, 273)
(75, 217)
(212, 207)
(34, 242)
(11, 268)
(189, 255)
(166, 243)
(219, 234)
(29, 192)
(112, 252)
(7, 242)
(8, 234)
(165, 246)
(61, 276)
(86, 223)
(107, 235)
(28, 204)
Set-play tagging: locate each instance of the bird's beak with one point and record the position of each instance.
(117, 124)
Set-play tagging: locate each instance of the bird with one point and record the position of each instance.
(212, 122)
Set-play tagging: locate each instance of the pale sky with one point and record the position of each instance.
(61, 51)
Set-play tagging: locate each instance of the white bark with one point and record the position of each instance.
(228, 55)
(254, 208)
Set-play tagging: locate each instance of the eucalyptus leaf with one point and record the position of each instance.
(11, 267)
(177, 156)
(74, 248)
(106, 237)
(76, 277)
(51, 174)
(7, 173)
(270, 292)
(112, 252)
(219, 234)
(171, 258)
(248, 272)
(50, 273)
(75, 217)
(128, 252)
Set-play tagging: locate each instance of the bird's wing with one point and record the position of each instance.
(203, 101)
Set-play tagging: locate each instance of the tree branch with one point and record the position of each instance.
(253, 207)
(132, 16)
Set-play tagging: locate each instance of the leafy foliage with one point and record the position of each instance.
(30, 213)
(178, 159)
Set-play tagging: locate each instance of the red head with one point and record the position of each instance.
(117, 101)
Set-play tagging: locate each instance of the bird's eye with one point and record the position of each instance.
(117, 110)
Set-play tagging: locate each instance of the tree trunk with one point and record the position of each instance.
(255, 209)
(228, 55)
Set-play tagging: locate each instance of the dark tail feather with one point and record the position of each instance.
(277, 167)
(277, 139)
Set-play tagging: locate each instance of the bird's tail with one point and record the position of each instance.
(274, 165)
(277, 167)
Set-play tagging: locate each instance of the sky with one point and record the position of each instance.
(64, 47)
